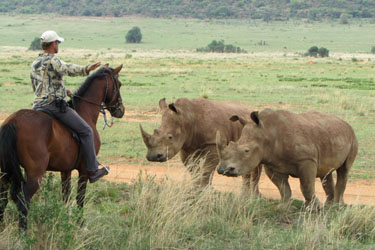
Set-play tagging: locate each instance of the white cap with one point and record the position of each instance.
(50, 36)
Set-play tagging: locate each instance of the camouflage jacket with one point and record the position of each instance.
(53, 86)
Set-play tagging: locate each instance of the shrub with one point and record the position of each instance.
(134, 35)
(315, 51)
(373, 50)
(35, 44)
(220, 47)
(344, 19)
(323, 52)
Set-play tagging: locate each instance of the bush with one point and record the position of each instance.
(373, 50)
(35, 44)
(315, 51)
(134, 35)
(220, 47)
(323, 52)
(344, 19)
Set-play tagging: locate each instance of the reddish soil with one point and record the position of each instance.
(358, 191)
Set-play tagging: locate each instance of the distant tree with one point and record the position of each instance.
(134, 35)
(373, 50)
(313, 51)
(344, 18)
(35, 44)
(323, 52)
(216, 46)
(86, 12)
(220, 47)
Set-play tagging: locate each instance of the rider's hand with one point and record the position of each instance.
(69, 93)
(92, 67)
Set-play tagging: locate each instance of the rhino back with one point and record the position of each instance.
(211, 116)
(322, 138)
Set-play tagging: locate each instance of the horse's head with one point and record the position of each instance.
(112, 99)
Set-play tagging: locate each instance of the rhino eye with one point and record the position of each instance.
(170, 137)
(247, 150)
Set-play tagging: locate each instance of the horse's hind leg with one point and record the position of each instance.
(29, 189)
(66, 187)
(3, 199)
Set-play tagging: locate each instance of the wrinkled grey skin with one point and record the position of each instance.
(189, 127)
(306, 146)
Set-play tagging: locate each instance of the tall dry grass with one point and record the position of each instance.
(167, 215)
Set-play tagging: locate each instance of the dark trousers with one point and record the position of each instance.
(72, 120)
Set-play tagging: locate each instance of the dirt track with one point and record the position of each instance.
(358, 191)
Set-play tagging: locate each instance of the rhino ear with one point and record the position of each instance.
(238, 118)
(162, 104)
(255, 117)
(173, 108)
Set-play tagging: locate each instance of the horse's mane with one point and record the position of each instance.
(86, 84)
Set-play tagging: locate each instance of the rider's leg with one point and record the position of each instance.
(71, 119)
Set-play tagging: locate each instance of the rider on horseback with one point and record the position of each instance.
(47, 73)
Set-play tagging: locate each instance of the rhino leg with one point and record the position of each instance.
(342, 178)
(210, 162)
(329, 188)
(250, 183)
(307, 175)
(281, 182)
(201, 165)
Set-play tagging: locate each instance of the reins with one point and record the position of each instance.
(103, 105)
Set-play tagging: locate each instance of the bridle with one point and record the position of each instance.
(104, 105)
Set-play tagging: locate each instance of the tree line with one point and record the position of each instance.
(239, 9)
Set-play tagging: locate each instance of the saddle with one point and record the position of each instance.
(73, 134)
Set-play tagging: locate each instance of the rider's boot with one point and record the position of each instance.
(97, 174)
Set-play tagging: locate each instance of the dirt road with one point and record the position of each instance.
(358, 191)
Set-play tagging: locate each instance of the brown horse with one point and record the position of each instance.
(39, 143)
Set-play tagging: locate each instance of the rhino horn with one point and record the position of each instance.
(146, 136)
(219, 144)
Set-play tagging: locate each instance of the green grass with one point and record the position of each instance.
(332, 85)
(189, 34)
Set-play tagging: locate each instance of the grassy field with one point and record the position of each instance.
(187, 34)
(149, 215)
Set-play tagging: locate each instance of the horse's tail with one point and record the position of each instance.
(9, 162)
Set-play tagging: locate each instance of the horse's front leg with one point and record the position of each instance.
(81, 192)
(82, 183)
(65, 184)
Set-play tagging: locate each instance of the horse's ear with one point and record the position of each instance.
(117, 70)
(106, 65)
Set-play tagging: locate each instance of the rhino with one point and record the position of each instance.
(306, 146)
(189, 126)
